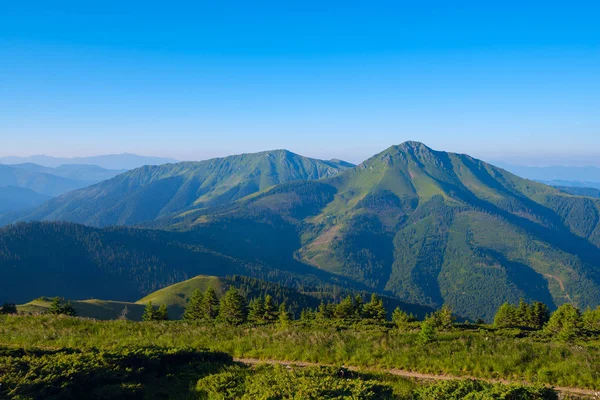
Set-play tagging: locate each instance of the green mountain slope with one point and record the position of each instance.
(419, 225)
(176, 297)
(429, 227)
(151, 192)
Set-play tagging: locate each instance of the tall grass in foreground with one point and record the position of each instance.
(476, 353)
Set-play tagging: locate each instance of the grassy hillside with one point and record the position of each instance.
(422, 226)
(151, 192)
(96, 309)
(429, 227)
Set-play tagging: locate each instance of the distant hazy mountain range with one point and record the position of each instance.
(13, 199)
(111, 161)
(557, 175)
(53, 181)
(26, 186)
(423, 226)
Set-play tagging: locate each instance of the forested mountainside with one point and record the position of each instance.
(124, 264)
(150, 192)
(428, 226)
(425, 226)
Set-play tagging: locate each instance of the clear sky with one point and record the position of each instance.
(511, 80)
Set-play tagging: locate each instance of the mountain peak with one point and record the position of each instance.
(413, 145)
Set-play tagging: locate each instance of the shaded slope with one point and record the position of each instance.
(14, 199)
(122, 264)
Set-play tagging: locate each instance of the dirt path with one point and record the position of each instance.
(561, 284)
(410, 374)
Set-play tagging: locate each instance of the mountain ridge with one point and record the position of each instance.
(425, 226)
(404, 220)
(150, 192)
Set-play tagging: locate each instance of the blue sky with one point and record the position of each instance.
(500, 80)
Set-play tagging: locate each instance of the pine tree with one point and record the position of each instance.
(284, 315)
(358, 306)
(591, 319)
(374, 309)
(324, 313)
(540, 314)
(505, 316)
(69, 310)
(427, 333)
(444, 318)
(210, 304)
(345, 309)
(269, 309)
(401, 319)
(162, 314)
(194, 311)
(523, 314)
(256, 311)
(233, 307)
(149, 312)
(307, 315)
(565, 323)
(55, 307)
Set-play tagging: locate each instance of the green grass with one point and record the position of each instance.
(179, 293)
(98, 309)
(480, 353)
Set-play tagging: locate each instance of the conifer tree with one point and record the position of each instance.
(565, 323)
(345, 309)
(162, 314)
(269, 309)
(194, 311)
(68, 309)
(374, 309)
(505, 316)
(232, 309)
(540, 314)
(427, 333)
(444, 318)
(149, 312)
(284, 316)
(591, 319)
(358, 306)
(307, 315)
(324, 312)
(256, 311)
(401, 319)
(210, 304)
(55, 307)
(523, 314)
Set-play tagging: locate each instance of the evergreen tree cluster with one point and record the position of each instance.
(533, 315)
(8, 308)
(57, 308)
(565, 324)
(350, 309)
(152, 313)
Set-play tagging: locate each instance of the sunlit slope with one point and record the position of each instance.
(428, 226)
(147, 193)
